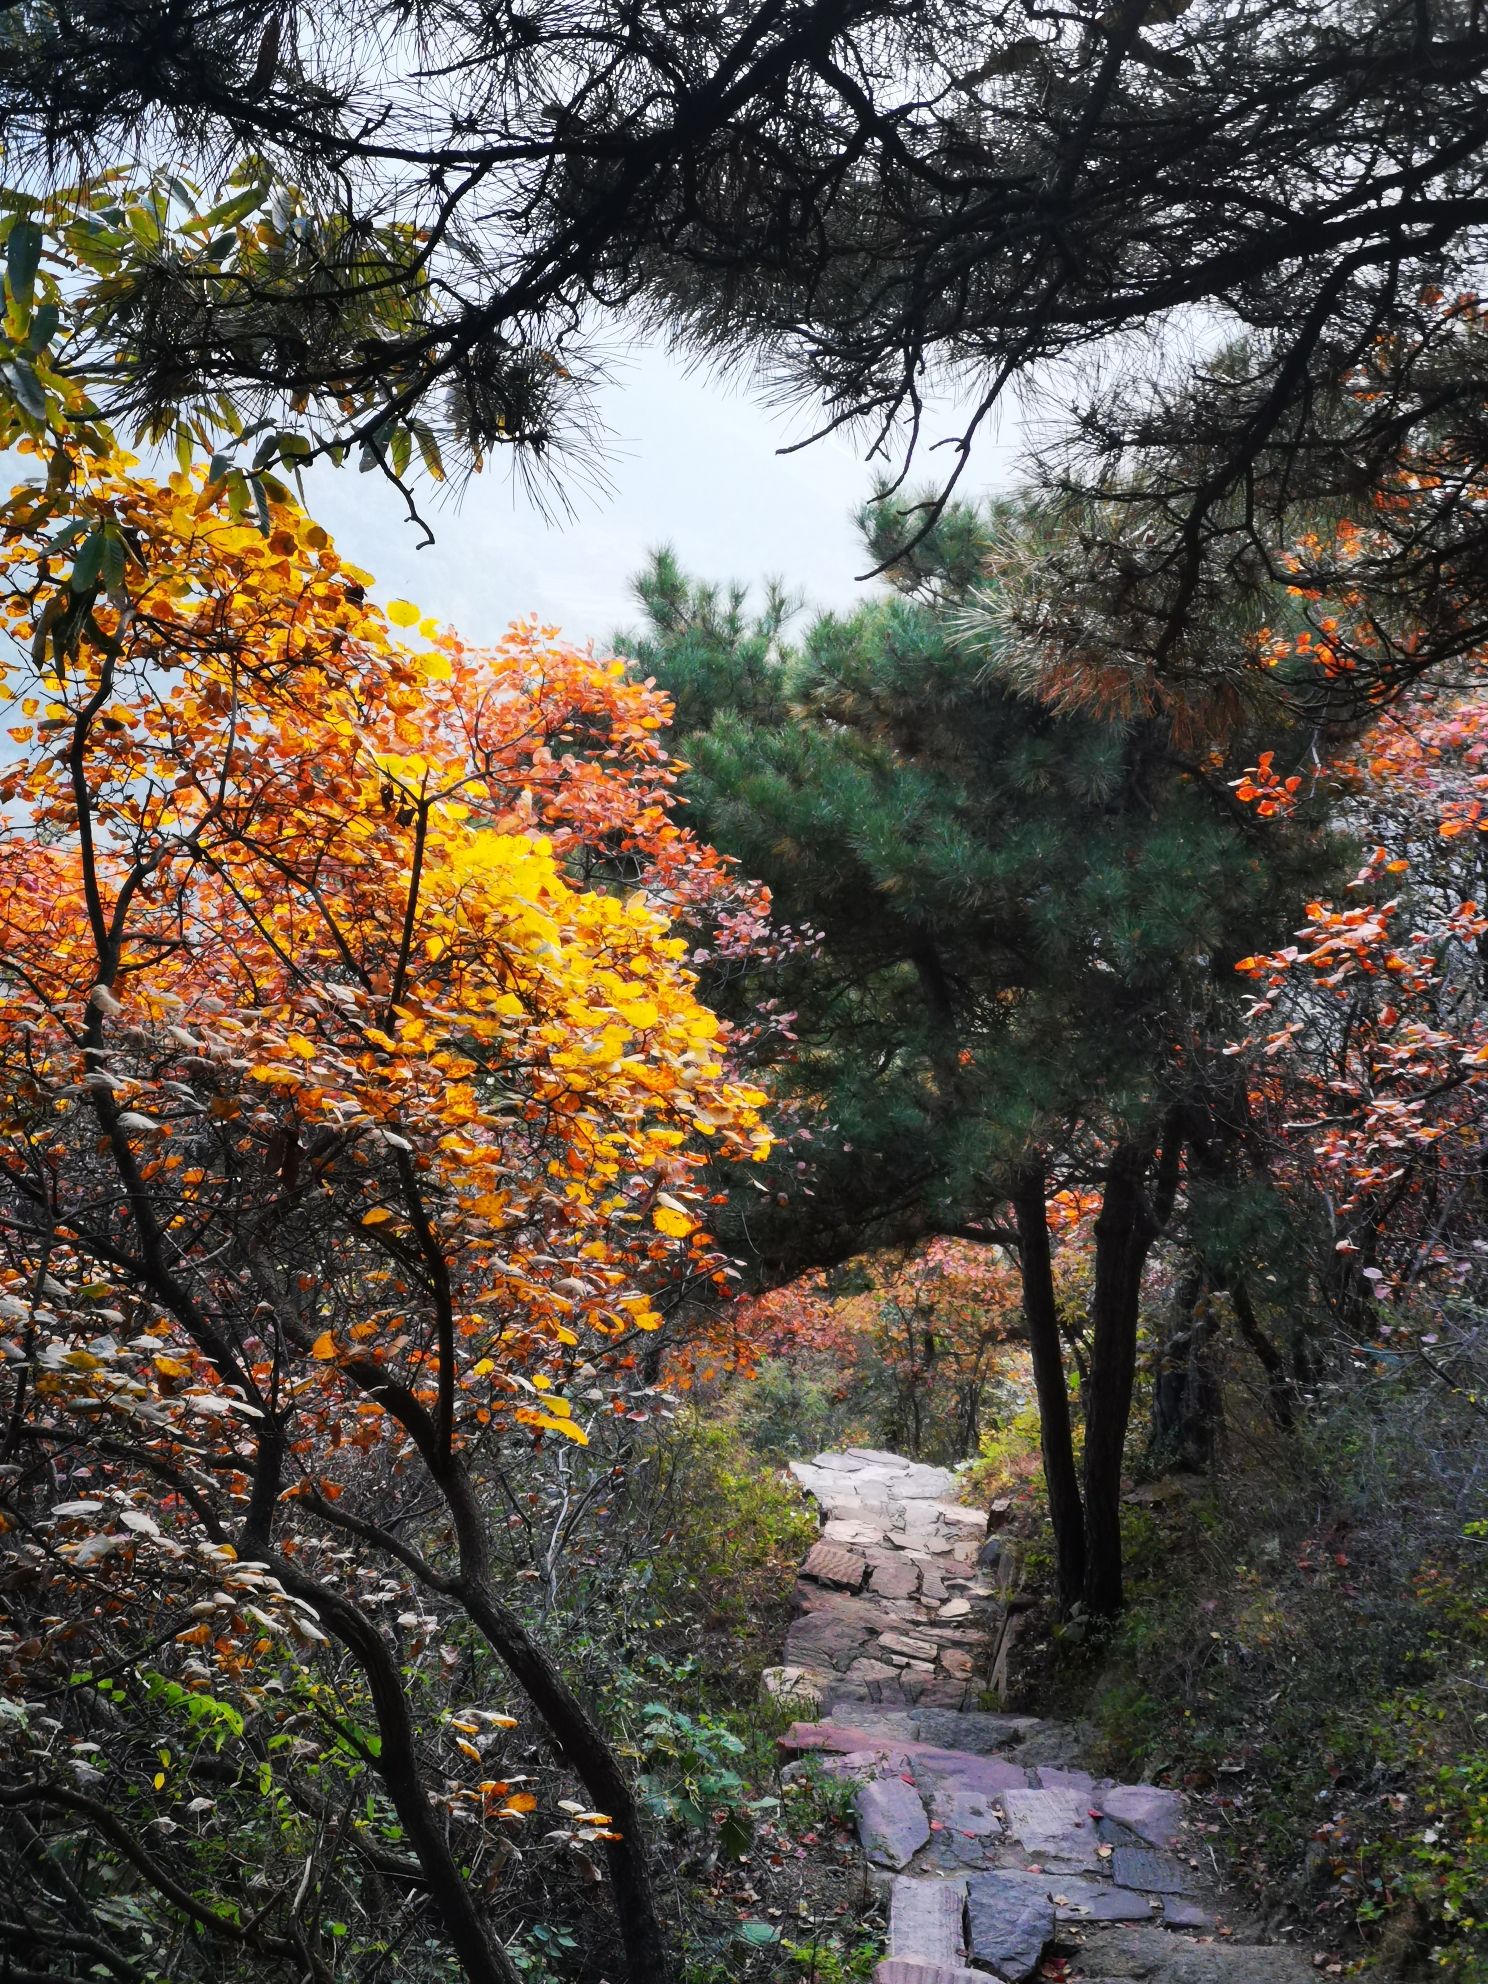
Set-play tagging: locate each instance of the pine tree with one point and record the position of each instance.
(1030, 926)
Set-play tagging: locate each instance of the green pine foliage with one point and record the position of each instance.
(1029, 922)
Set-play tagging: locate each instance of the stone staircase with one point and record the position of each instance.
(1000, 1851)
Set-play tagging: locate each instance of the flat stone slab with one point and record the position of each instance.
(1050, 1777)
(829, 1563)
(892, 1822)
(983, 1777)
(825, 1639)
(1055, 1828)
(841, 1530)
(968, 1813)
(1144, 1867)
(1076, 1900)
(1009, 1919)
(1178, 1914)
(915, 1970)
(895, 1577)
(925, 1919)
(1153, 1814)
(1149, 1951)
(909, 1644)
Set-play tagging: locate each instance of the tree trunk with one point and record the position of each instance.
(1055, 1437)
(1124, 1231)
(1185, 1390)
(576, 1733)
(1278, 1385)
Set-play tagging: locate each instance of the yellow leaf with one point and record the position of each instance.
(675, 1224)
(377, 1216)
(523, 1802)
(324, 1347)
(403, 613)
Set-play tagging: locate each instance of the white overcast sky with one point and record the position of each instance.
(693, 463)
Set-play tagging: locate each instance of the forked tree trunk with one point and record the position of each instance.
(1124, 1232)
(1041, 1315)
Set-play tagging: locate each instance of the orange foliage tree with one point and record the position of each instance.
(352, 1086)
(1369, 1040)
(928, 1327)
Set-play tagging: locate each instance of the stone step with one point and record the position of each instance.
(918, 1970)
(925, 1919)
(892, 1821)
(1161, 1954)
(1009, 1922)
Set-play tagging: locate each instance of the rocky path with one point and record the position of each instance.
(1000, 1850)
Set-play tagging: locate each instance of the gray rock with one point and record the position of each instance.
(891, 1821)
(1009, 1919)
(895, 1577)
(1051, 1777)
(1055, 1828)
(975, 1729)
(1154, 1815)
(1077, 1900)
(1177, 1914)
(911, 1645)
(824, 1638)
(981, 1777)
(961, 1810)
(925, 1919)
(1149, 1952)
(918, 1970)
(1144, 1867)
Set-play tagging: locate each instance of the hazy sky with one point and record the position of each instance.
(694, 465)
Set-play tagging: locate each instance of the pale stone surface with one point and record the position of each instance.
(1179, 1914)
(871, 1670)
(916, 1970)
(1009, 1919)
(793, 1687)
(955, 1608)
(1152, 1814)
(1054, 1828)
(925, 1919)
(911, 1645)
(891, 1821)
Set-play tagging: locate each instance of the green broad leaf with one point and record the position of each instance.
(400, 450)
(85, 566)
(234, 210)
(23, 247)
(757, 1933)
(43, 330)
(260, 502)
(113, 560)
(25, 388)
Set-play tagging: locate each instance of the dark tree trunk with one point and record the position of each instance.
(1041, 1315)
(1278, 1384)
(1124, 1232)
(1185, 1389)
